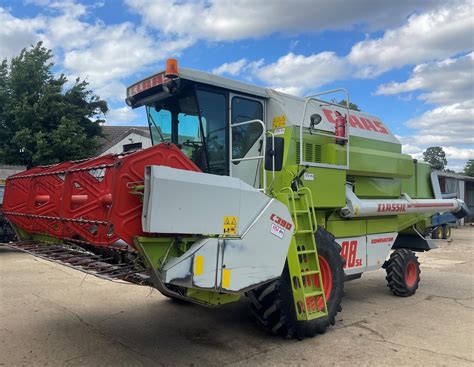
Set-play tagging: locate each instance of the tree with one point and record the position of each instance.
(352, 106)
(40, 121)
(436, 157)
(469, 168)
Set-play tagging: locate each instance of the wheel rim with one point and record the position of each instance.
(448, 232)
(410, 274)
(440, 232)
(326, 276)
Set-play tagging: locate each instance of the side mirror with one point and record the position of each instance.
(315, 119)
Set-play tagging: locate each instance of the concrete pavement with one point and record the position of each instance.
(56, 316)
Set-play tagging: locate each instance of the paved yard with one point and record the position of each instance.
(52, 315)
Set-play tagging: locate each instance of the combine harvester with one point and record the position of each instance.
(246, 191)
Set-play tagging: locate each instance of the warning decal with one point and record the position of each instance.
(279, 121)
(230, 224)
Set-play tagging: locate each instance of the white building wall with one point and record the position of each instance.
(131, 138)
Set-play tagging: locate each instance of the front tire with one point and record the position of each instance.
(403, 273)
(272, 304)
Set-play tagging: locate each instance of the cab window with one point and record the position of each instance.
(244, 137)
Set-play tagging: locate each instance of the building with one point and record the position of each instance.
(120, 139)
(462, 186)
(5, 171)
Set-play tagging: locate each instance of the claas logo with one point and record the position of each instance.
(280, 221)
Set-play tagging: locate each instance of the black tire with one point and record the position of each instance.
(446, 231)
(403, 272)
(437, 233)
(273, 307)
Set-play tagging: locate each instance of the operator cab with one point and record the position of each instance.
(196, 112)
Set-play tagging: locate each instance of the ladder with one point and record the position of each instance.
(303, 261)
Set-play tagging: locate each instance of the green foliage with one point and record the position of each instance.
(436, 157)
(40, 121)
(469, 168)
(343, 102)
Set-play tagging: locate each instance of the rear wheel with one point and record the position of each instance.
(273, 306)
(446, 232)
(437, 233)
(403, 273)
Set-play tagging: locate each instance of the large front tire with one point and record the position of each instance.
(273, 306)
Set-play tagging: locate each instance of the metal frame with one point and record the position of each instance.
(261, 156)
(346, 137)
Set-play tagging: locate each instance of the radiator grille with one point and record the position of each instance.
(312, 153)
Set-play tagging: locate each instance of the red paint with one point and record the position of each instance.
(354, 121)
(328, 114)
(410, 274)
(368, 125)
(340, 130)
(358, 122)
(326, 276)
(89, 200)
(392, 208)
(281, 221)
(382, 240)
(380, 128)
(148, 83)
(349, 253)
(434, 205)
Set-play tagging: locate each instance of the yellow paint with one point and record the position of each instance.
(279, 121)
(231, 224)
(198, 264)
(225, 278)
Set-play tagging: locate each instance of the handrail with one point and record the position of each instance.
(261, 156)
(346, 137)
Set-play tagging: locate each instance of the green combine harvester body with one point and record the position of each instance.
(276, 197)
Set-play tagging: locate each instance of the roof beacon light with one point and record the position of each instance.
(171, 69)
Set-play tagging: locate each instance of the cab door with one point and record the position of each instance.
(246, 140)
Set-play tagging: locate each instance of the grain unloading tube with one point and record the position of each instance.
(245, 234)
(356, 207)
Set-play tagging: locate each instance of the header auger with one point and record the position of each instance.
(246, 191)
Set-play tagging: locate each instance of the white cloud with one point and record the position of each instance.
(413, 150)
(447, 81)
(227, 20)
(296, 74)
(123, 115)
(291, 73)
(15, 33)
(450, 124)
(230, 68)
(456, 156)
(435, 34)
(104, 54)
(448, 84)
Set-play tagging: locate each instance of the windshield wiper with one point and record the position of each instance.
(150, 117)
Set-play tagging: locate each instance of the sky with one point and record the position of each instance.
(409, 62)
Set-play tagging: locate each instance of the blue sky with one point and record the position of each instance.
(408, 62)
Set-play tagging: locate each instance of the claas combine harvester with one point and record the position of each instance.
(246, 191)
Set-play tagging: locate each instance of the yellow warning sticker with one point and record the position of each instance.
(225, 278)
(279, 121)
(198, 264)
(231, 224)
